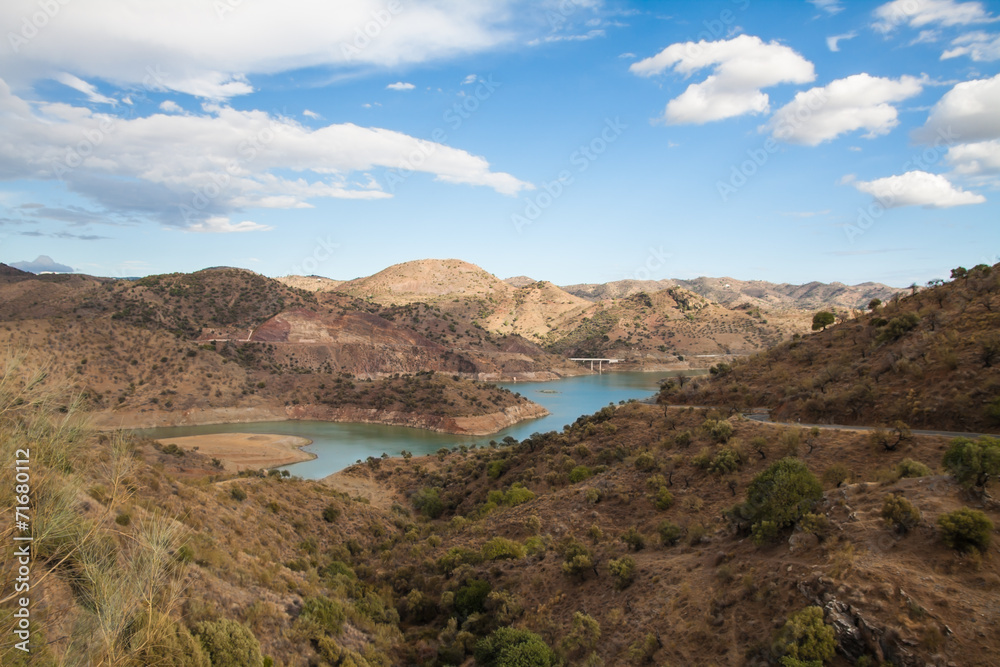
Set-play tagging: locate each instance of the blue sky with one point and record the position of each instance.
(567, 140)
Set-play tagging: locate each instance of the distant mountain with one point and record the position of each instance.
(741, 293)
(426, 280)
(519, 281)
(43, 263)
(311, 283)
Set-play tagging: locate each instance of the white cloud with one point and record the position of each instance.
(828, 6)
(980, 46)
(920, 13)
(223, 225)
(400, 85)
(918, 188)
(742, 66)
(926, 37)
(967, 112)
(833, 42)
(628, 54)
(209, 48)
(185, 169)
(170, 106)
(472, 78)
(590, 34)
(76, 83)
(860, 101)
(311, 114)
(978, 158)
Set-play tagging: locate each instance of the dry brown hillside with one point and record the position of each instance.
(931, 360)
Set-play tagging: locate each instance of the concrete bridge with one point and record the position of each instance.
(600, 362)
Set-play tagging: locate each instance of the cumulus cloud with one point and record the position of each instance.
(982, 157)
(209, 48)
(920, 13)
(311, 114)
(185, 169)
(170, 106)
(967, 112)
(918, 188)
(858, 102)
(76, 83)
(741, 67)
(400, 85)
(980, 46)
(833, 42)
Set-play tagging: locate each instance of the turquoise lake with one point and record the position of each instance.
(338, 445)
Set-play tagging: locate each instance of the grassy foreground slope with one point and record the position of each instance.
(635, 536)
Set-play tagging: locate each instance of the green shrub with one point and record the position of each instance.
(664, 499)
(123, 519)
(175, 647)
(966, 529)
(683, 439)
(331, 513)
(456, 556)
(727, 461)
(646, 462)
(577, 559)
(428, 502)
(993, 411)
(583, 635)
(509, 647)
(781, 495)
(836, 474)
(973, 462)
(497, 468)
(719, 429)
(237, 493)
(670, 533)
(623, 570)
(765, 532)
(911, 468)
(643, 650)
(325, 613)
(500, 548)
(580, 473)
(471, 598)
(229, 643)
(897, 327)
(517, 495)
(815, 524)
(635, 540)
(805, 640)
(900, 513)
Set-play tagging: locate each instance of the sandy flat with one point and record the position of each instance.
(243, 451)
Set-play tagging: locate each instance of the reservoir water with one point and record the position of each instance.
(338, 445)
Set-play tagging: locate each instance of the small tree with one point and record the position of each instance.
(966, 529)
(822, 320)
(973, 462)
(623, 570)
(428, 501)
(777, 498)
(509, 647)
(229, 643)
(805, 640)
(900, 513)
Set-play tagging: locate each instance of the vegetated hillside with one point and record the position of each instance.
(931, 360)
(612, 542)
(663, 326)
(731, 292)
(311, 283)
